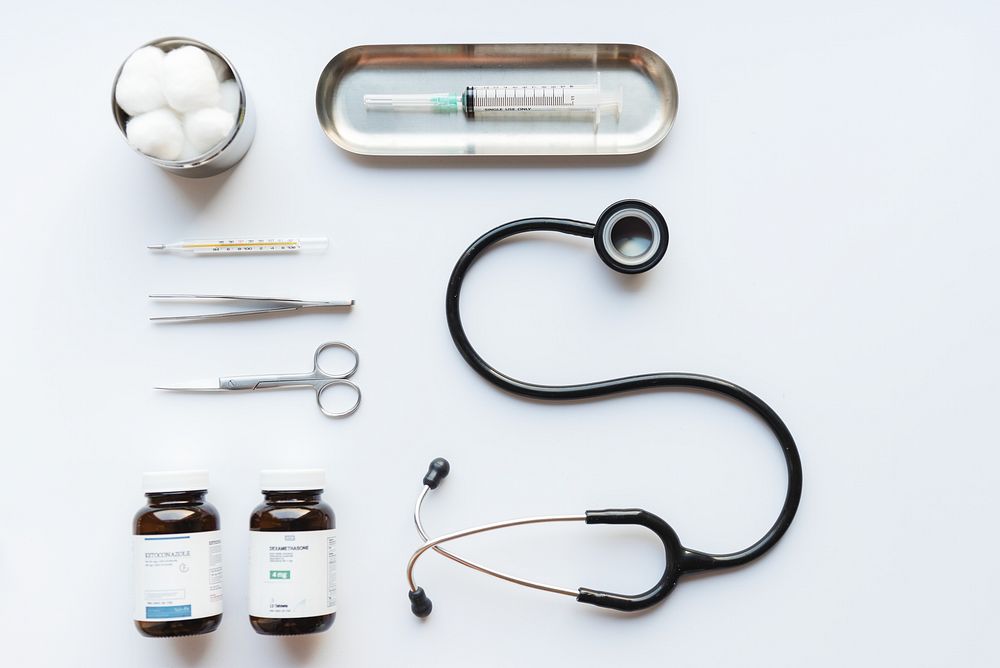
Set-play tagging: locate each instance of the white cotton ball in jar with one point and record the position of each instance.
(147, 60)
(189, 152)
(137, 95)
(156, 133)
(138, 89)
(222, 71)
(205, 128)
(189, 80)
(229, 96)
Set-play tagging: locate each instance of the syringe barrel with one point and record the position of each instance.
(532, 98)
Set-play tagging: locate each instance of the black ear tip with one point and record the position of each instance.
(419, 603)
(631, 236)
(436, 472)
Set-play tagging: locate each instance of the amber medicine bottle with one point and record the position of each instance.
(177, 557)
(293, 555)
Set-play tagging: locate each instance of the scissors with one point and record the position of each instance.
(319, 379)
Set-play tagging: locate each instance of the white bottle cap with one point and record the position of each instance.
(287, 480)
(174, 481)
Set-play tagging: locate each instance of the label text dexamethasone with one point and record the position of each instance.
(293, 574)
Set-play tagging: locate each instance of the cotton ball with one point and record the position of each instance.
(145, 61)
(207, 127)
(189, 152)
(219, 65)
(138, 89)
(137, 94)
(156, 133)
(229, 96)
(189, 81)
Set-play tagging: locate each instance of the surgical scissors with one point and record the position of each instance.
(319, 379)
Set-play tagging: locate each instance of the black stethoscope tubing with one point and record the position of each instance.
(689, 561)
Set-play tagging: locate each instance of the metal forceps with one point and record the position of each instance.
(262, 305)
(319, 379)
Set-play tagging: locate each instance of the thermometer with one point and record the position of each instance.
(243, 245)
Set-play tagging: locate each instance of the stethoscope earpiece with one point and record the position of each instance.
(631, 236)
(436, 472)
(419, 603)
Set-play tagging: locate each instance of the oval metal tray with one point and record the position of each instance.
(647, 86)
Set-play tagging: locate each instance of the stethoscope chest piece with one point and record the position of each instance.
(631, 236)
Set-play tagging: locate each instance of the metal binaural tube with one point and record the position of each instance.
(435, 545)
(479, 567)
(492, 527)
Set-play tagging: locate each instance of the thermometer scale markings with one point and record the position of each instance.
(289, 244)
(248, 245)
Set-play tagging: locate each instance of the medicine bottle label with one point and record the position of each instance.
(177, 575)
(293, 574)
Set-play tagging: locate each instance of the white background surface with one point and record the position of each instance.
(830, 186)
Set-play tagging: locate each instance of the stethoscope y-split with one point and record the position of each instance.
(630, 237)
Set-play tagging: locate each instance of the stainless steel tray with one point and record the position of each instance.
(648, 88)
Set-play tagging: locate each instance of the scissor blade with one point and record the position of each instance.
(204, 385)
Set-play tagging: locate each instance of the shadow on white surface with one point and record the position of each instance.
(300, 649)
(191, 649)
(199, 193)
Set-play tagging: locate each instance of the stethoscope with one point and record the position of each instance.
(630, 237)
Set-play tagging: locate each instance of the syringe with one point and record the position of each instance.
(507, 100)
(243, 245)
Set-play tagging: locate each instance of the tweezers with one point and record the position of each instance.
(275, 305)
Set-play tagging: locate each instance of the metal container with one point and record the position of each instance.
(226, 153)
(646, 84)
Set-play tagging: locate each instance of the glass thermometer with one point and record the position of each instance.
(243, 245)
